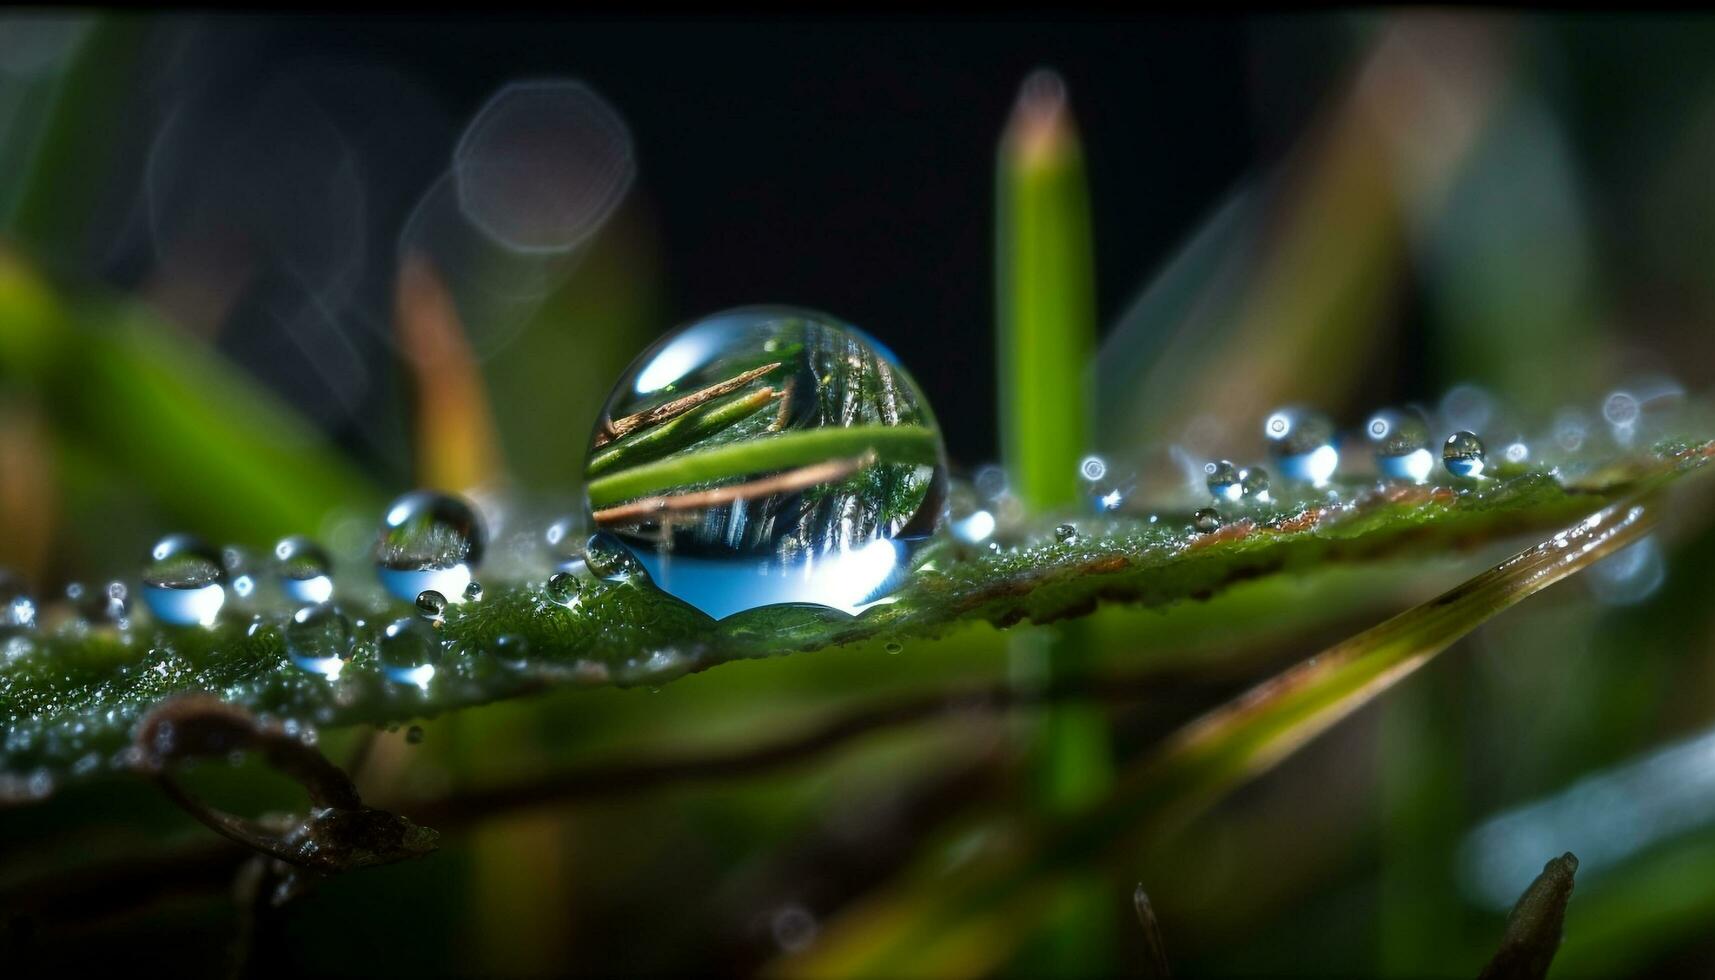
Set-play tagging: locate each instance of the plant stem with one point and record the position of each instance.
(653, 443)
(891, 444)
(1046, 310)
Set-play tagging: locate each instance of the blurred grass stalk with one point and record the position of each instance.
(1046, 319)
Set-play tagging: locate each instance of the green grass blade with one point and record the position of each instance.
(894, 444)
(966, 923)
(648, 445)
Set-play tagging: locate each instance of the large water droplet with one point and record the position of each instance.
(306, 572)
(1463, 455)
(1226, 483)
(409, 651)
(429, 542)
(1302, 443)
(767, 455)
(319, 639)
(184, 581)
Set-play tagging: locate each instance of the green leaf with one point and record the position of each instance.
(69, 697)
(966, 922)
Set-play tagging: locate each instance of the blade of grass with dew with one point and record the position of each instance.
(901, 443)
(700, 423)
(222, 456)
(964, 923)
(1045, 301)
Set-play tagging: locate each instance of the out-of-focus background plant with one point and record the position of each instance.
(258, 274)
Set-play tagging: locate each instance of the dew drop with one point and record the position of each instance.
(968, 520)
(1463, 455)
(1517, 452)
(473, 592)
(306, 572)
(17, 607)
(894, 647)
(1205, 521)
(409, 652)
(1066, 533)
(431, 604)
(184, 581)
(1225, 482)
(512, 650)
(564, 587)
(428, 541)
(1400, 441)
(609, 559)
(1254, 485)
(807, 466)
(1302, 443)
(319, 639)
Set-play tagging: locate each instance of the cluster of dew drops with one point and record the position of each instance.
(430, 544)
(1308, 453)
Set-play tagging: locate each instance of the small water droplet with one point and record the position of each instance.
(473, 592)
(1226, 483)
(1517, 452)
(990, 481)
(1066, 533)
(1400, 441)
(306, 572)
(431, 604)
(428, 542)
(894, 647)
(1093, 468)
(968, 520)
(17, 607)
(409, 651)
(1254, 485)
(319, 639)
(1463, 455)
(512, 650)
(611, 560)
(1206, 520)
(824, 466)
(184, 581)
(1302, 443)
(564, 588)
(414, 735)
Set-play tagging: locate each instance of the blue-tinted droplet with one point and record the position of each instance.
(184, 581)
(17, 607)
(1463, 454)
(409, 651)
(767, 455)
(428, 542)
(1226, 483)
(319, 639)
(306, 572)
(1206, 520)
(1400, 441)
(1302, 443)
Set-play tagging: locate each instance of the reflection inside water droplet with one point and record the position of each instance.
(1464, 455)
(563, 588)
(184, 581)
(428, 542)
(763, 456)
(1206, 520)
